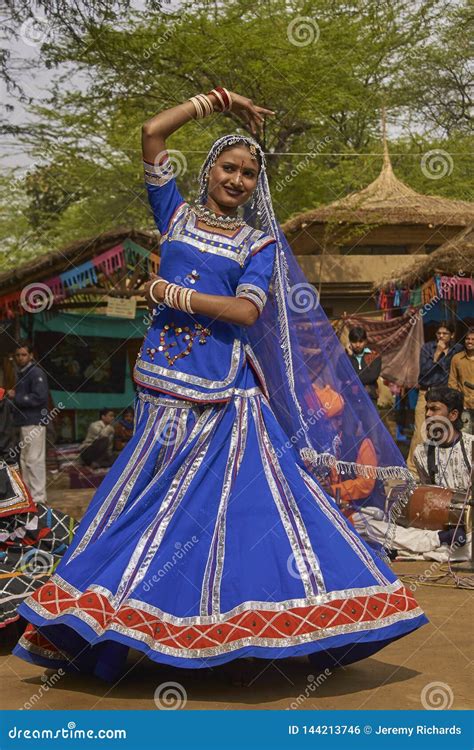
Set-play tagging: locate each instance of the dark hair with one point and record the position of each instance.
(357, 334)
(450, 397)
(104, 411)
(469, 331)
(446, 324)
(24, 344)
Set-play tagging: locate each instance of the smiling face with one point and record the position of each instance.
(232, 179)
(469, 343)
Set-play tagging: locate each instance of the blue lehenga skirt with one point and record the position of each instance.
(209, 541)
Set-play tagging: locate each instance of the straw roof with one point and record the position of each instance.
(387, 200)
(71, 255)
(452, 257)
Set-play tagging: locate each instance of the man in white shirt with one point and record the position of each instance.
(443, 459)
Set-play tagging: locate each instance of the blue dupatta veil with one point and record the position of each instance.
(314, 390)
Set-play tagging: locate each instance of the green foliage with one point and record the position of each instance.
(117, 66)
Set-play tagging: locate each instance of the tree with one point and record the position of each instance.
(325, 67)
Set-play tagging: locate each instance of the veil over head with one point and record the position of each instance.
(315, 393)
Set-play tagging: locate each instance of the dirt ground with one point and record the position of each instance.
(429, 668)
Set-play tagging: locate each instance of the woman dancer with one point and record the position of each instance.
(211, 539)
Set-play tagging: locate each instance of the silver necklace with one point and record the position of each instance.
(207, 216)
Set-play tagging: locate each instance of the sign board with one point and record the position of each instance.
(119, 307)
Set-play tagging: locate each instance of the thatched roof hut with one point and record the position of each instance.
(456, 255)
(58, 261)
(392, 213)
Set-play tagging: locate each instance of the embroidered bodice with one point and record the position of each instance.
(193, 356)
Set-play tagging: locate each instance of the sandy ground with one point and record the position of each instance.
(402, 676)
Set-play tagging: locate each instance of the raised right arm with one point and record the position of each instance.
(156, 130)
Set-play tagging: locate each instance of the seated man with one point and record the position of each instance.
(444, 458)
(362, 500)
(96, 449)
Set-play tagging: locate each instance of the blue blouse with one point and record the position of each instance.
(193, 356)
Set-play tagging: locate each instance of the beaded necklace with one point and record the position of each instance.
(212, 219)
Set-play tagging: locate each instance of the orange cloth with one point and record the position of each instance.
(360, 487)
(331, 401)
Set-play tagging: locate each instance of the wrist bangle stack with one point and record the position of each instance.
(223, 97)
(179, 298)
(202, 105)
